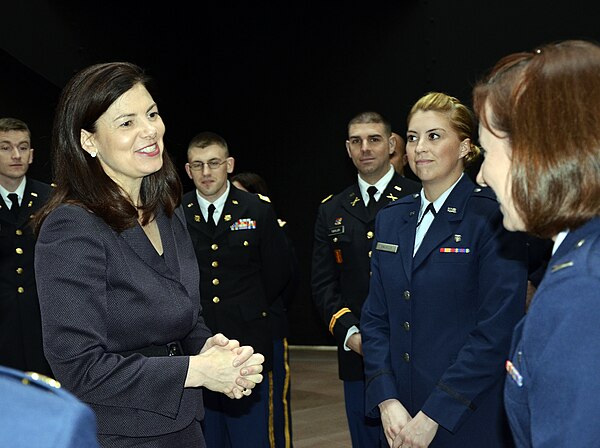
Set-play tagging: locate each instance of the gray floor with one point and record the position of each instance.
(317, 399)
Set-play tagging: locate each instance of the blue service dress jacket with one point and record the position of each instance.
(35, 411)
(102, 294)
(436, 328)
(553, 381)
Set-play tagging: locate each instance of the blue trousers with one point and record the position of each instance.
(282, 412)
(238, 423)
(364, 431)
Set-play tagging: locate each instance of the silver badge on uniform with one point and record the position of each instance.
(386, 247)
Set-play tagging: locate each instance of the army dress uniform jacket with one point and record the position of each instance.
(20, 325)
(436, 327)
(107, 297)
(340, 263)
(244, 267)
(552, 380)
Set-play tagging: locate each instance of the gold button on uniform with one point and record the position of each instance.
(19, 251)
(215, 264)
(214, 247)
(19, 232)
(370, 253)
(406, 326)
(370, 234)
(406, 357)
(216, 300)
(215, 281)
(246, 243)
(264, 314)
(19, 271)
(20, 290)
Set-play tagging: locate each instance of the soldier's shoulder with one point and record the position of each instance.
(33, 406)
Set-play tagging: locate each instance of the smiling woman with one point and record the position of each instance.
(447, 286)
(117, 275)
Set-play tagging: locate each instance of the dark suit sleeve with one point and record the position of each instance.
(71, 262)
(325, 280)
(479, 365)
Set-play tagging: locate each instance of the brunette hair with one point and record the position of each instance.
(460, 117)
(80, 178)
(251, 182)
(547, 104)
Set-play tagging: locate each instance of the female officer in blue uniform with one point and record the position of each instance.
(448, 285)
(540, 115)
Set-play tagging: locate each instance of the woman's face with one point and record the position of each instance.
(495, 173)
(435, 152)
(128, 138)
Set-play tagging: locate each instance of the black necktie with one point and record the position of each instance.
(210, 221)
(429, 208)
(371, 206)
(15, 203)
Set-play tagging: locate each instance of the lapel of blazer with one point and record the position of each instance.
(352, 202)
(446, 220)
(194, 216)
(406, 232)
(136, 238)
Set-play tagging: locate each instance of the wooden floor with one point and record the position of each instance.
(317, 399)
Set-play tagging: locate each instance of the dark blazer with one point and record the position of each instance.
(436, 328)
(340, 263)
(551, 395)
(20, 325)
(102, 293)
(244, 267)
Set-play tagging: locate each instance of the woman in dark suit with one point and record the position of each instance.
(117, 274)
(540, 125)
(448, 284)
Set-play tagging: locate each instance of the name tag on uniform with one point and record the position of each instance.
(386, 247)
(338, 230)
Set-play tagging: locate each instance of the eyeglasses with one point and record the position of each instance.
(213, 165)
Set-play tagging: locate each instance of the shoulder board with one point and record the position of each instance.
(264, 198)
(484, 192)
(326, 199)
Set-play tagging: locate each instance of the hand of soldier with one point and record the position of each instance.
(394, 417)
(354, 343)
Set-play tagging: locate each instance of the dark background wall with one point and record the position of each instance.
(278, 82)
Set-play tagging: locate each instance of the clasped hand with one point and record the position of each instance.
(403, 431)
(224, 366)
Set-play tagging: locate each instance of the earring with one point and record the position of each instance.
(94, 154)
